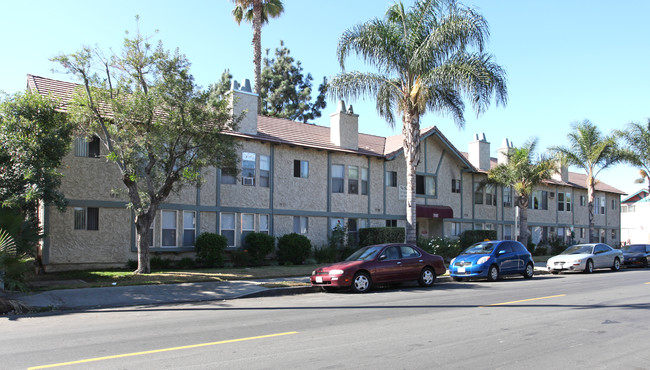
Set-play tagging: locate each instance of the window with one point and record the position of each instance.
(583, 201)
(300, 225)
(391, 223)
(478, 193)
(151, 232)
(228, 176)
(264, 224)
(265, 170)
(425, 185)
(630, 208)
(247, 226)
(336, 222)
(538, 200)
(582, 233)
(599, 205)
(596, 206)
(567, 199)
(228, 227)
(86, 218)
(613, 234)
(455, 229)
(300, 168)
(353, 180)
(391, 178)
(353, 232)
(338, 175)
(391, 253)
(490, 195)
(602, 235)
(248, 168)
(455, 186)
(507, 196)
(189, 228)
(409, 252)
(613, 203)
(168, 228)
(84, 148)
(564, 201)
(560, 201)
(507, 232)
(364, 181)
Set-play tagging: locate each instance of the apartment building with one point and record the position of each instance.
(635, 213)
(305, 178)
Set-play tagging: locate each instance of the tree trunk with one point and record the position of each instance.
(257, 50)
(590, 206)
(143, 228)
(522, 202)
(411, 132)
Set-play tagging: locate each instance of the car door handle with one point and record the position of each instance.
(399, 263)
(421, 261)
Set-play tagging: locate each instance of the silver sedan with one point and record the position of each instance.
(586, 258)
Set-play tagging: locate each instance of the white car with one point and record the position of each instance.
(586, 258)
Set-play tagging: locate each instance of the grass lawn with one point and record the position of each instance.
(84, 279)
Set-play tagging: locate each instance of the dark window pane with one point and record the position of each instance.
(169, 238)
(188, 238)
(419, 184)
(230, 235)
(296, 168)
(93, 219)
(337, 185)
(93, 147)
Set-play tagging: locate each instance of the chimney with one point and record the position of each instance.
(502, 156)
(344, 127)
(562, 173)
(479, 152)
(244, 99)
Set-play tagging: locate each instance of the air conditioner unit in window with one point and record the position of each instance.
(248, 181)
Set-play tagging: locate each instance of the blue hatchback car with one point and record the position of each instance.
(493, 259)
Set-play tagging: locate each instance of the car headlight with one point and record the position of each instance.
(452, 261)
(336, 272)
(482, 260)
(313, 273)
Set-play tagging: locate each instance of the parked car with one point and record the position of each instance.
(586, 258)
(491, 260)
(379, 264)
(636, 255)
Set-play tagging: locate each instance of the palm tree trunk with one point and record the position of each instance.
(590, 206)
(411, 132)
(522, 202)
(257, 53)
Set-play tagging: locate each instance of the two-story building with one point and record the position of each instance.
(305, 178)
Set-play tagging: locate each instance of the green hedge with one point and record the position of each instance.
(469, 237)
(293, 249)
(381, 235)
(210, 249)
(259, 245)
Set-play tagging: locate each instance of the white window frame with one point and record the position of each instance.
(455, 229)
(303, 168)
(245, 227)
(80, 218)
(507, 196)
(248, 170)
(191, 228)
(391, 179)
(265, 171)
(234, 226)
(455, 186)
(365, 186)
(165, 227)
(341, 169)
(264, 224)
(353, 179)
(300, 225)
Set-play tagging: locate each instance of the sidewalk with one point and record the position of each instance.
(136, 295)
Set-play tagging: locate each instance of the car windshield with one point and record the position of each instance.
(480, 248)
(579, 249)
(364, 254)
(634, 248)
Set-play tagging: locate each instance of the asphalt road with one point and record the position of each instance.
(596, 321)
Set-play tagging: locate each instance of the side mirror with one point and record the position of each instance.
(501, 252)
(382, 257)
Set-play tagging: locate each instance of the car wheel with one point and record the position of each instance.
(456, 278)
(529, 272)
(427, 277)
(590, 267)
(617, 264)
(493, 273)
(361, 282)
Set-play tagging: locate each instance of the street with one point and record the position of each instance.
(600, 320)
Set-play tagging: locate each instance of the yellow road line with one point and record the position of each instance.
(160, 350)
(524, 300)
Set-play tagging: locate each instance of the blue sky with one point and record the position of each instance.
(566, 60)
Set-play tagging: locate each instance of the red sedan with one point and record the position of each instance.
(379, 264)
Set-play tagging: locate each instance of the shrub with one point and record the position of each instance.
(469, 237)
(325, 254)
(159, 263)
(381, 235)
(186, 263)
(293, 249)
(557, 244)
(132, 264)
(259, 245)
(240, 258)
(210, 248)
(444, 247)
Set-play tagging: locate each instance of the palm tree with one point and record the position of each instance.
(257, 12)
(522, 172)
(590, 150)
(637, 138)
(424, 64)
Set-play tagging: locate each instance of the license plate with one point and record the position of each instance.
(461, 270)
(319, 279)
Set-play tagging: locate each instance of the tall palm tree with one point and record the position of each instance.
(257, 12)
(522, 172)
(637, 138)
(424, 63)
(590, 150)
